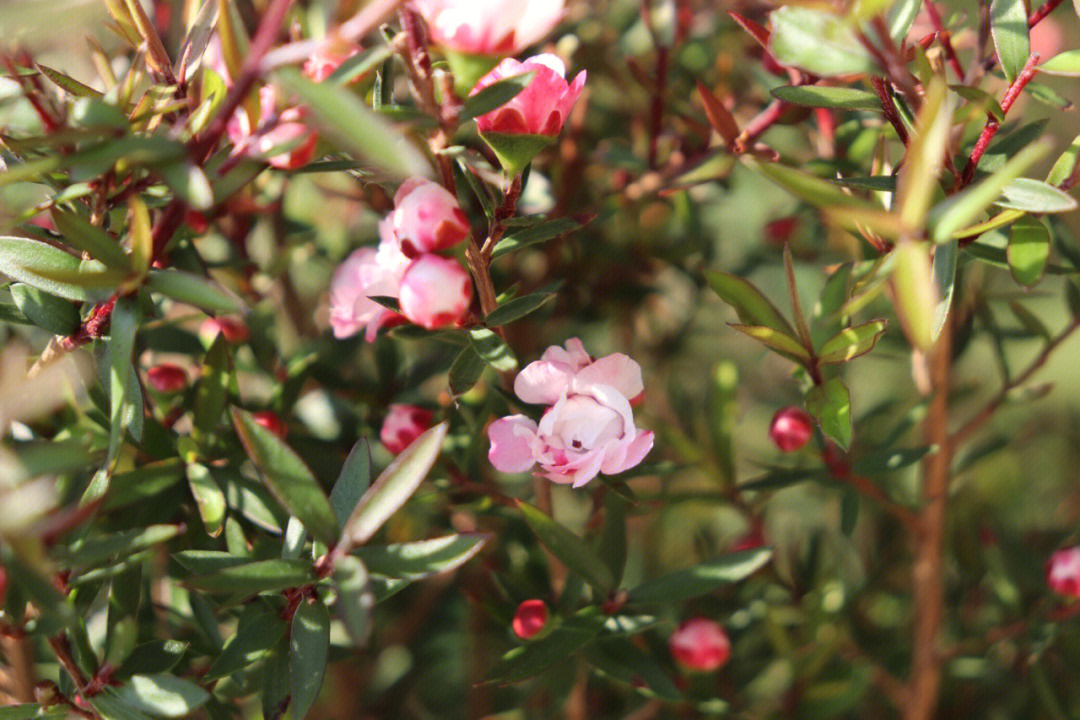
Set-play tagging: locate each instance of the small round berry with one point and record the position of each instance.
(700, 645)
(530, 618)
(271, 422)
(167, 378)
(791, 428)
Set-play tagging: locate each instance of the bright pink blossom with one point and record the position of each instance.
(589, 427)
(700, 644)
(489, 27)
(427, 217)
(167, 378)
(542, 107)
(282, 139)
(530, 618)
(328, 57)
(1063, 572)
(367, 272)
(403, 424)
(435, 292)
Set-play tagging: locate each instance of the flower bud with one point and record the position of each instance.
(270, 420)
(403, 424)
(167, 378)
(234, 330)
(1063, 572)
(489, 27)
(791, 428)
(530, 618)
(427, 217)
(435, 292)
(700, 645)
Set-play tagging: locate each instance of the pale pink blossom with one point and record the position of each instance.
(403, 424)
(367, 272)
(435, 292)
(282, 139)
(542, 107)
(427, 217)
(589, 427)
(700, 644)
(328, 57)
(1063, 572)
(489, 27)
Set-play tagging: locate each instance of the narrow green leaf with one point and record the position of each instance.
(415, 560)
(124, 323)
(346, 121)
(517, 308)
(611, 546)
(1028, 251)
(622, 660)
(352, 482)
(194, 290)
(533, 658)
(47, 311)
(1065, 165)
(817, 41)
(287, 477)
(843, 98)
(701, 579)
(1066, 63)
(309, 645)
(495, 95)
(805, 186)
(355, 599)
(1035, 196)
(189, 183)
(831, 405)
(394, 486)
(980, 98)
(1009, 27)
(88, 238)
(212, 388)
(784, 344)
(97, 551)
(466, 371)
(252, 578)
(902, 16)
(852, 342)
(539, 233)
(925, 156)
(163, 695)
(209, 498)
(751, 305)
(568, 548)
(944, 269)
(492, 349)
(32, 262)
(887, 461)
(257, 634)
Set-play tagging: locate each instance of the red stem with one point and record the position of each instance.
(1038, 15)
(946, 39)
(887, 104)
(992, 124)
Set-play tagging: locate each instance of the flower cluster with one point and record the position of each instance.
(589, 426)
(432, 291)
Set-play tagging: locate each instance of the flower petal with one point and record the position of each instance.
(542, 382)
(510, 447)
(617, 371)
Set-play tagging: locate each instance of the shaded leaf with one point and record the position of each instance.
(1009, 28)
(163, 695)
(194, 290)
(517, 308)
(309, 644)
(1035, 196)
(701, 579)
(571, 550)
(256, 577)
(843, 98)
(47, 311)
(852, 342)
(415, 560)
(817, 41)
(784, 344)
(831, 405)
(352, 482)
(751, 305)
(1028, 250)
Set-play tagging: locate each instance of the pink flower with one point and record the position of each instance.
(328, 57)
(167, 378)
(368, 271)
(1063, 572)
(530, 618)
(403, 424)
(427, 217)
(700, 644)
(435, 292)
(234, 330)
(542, 107)
(589, 427)
(489, 27)
(282, 139)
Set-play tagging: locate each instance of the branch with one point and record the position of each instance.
(1038, 15)
(946, 39)
(887, 104)
(841, 470)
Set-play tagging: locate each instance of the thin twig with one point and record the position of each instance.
(946, 39)
(1046, 9)
(887, 104)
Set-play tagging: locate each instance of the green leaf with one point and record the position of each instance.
(110, 706)
(1065, 164)
(466, 371)
(97, 551)
(287, 477)
(354, 479)
(1066, 63)
(533, 658)
(517, 308)
(415, 560)
(1009, 27)
(309, 645)
(887, 461)
(925, 156)
(194, 290)
(539, 233)
(569, 548)
(211, 391)
(21, 712)
(902, 16)
(46, 311)
(355, 599)
(961, 209)
(944, 269)
(515, 151)
(394, 486)
(156, 656)
(817, 41)
(205, 562)
(67, 83)
(852, 342)
(257, 634)
(88, 238)
(189, 183)
(34, 263)
(784, 344)
(805, 186)
(751, 305)
(122, 327)
(843, 98)
(611, 546)
(208, 496)
(163, 695)
(492, 349)
(701, 579)
(1028, 251)
(831, 405)
(1035, 196)
(346, 122)
(622, 660)
(495, 95)
(262, 576)
(980, 98)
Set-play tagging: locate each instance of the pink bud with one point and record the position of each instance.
(427, 217)
(542, 107)
(530, 618)
(1063, 572)
(270, 420)
(167, 378)
(328, 57)
(197, 221)
(435, 292)
(781, 230)
(403, 424)
(235, 331)
(791, 428)
(700, 644)
(489, 27)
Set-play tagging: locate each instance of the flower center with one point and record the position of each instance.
(584, 424)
